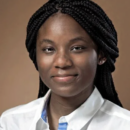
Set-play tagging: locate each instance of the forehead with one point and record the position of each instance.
(62, 24)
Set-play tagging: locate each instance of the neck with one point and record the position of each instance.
(62, 106)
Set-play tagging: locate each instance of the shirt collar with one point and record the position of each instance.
(78, 118)
(37, 123)
(82, 115)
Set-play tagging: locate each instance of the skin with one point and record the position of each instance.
(63, 49)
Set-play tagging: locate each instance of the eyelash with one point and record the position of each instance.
(79, 50)
(47, 48)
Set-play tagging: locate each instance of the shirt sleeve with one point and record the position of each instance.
(1, 128)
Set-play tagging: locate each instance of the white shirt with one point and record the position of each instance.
(95, 113)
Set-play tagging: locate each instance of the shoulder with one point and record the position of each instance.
(20, 113)
(114, 115)
(23, 108)
(111, 117)
(115, 110)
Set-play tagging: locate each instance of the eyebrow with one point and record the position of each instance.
(77, 39)
(71, 41)
(46, 41)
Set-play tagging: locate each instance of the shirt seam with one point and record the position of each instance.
(114, 115)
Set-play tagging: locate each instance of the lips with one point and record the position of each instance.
(64, 78)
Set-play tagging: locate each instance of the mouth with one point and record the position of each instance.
(65, 78)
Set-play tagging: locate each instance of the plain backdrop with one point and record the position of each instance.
(19, 81)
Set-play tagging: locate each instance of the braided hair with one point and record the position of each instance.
(99, 27)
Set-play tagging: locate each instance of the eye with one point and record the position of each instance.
(48, 50)
(78, 48)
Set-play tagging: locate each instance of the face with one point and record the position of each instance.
(66, 56)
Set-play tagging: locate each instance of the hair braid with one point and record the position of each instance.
(93, 34)
(99, 27)
(32, 30)
(87, 20)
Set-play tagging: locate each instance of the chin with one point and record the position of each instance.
(67, 92)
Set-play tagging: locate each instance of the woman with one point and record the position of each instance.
(73, 45)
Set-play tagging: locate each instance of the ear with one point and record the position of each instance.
(101, 58)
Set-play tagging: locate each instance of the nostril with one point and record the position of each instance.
(62, 67)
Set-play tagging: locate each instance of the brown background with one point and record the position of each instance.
(18, 77)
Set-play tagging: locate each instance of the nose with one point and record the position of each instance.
(63, 61)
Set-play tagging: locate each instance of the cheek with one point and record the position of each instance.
(44, 64)
(87, 64)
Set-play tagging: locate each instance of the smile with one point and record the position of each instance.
(65, 79)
